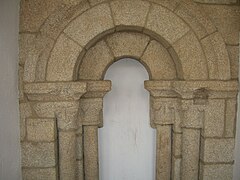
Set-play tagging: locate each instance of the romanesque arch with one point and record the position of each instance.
(62, 87)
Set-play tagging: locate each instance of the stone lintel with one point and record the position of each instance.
(58, 91)
(193, 89)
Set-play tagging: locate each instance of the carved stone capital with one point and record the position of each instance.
(91, 104)
(163, 110)
(91, 113)
(57, 100)
(193, 89)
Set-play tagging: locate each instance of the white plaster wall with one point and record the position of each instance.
(9, 116)
(127, 143)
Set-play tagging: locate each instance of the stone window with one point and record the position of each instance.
(65, 53)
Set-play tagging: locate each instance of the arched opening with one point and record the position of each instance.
(127, 143)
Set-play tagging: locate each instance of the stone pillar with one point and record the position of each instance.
(164, 152)
(59, 101)
(194, 100)
(193, 117)
(163, 108)
(91, 117)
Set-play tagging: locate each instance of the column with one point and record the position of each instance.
(91, 117)
(163, 106)
(193, 117)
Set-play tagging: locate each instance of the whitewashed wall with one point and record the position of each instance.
(127, 142)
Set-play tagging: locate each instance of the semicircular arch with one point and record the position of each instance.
(197, 57)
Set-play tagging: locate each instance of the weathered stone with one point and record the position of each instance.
(95, 2)
(126, 44)
(67, 154)
(63, 60)
(217, 150)
(171, 5)
(188, 89)
(233, 52)
(193, 115)
(97, 89)
(214, 119)
(193, 62)
(58, 91)
(80, 170)
(190, 154)
(79, 139)
(163, 110)
(91, 111)
(98, 53)
(39, 174)
(91, 152)
(180, 42)
(177, 126)
(230, 124)
(217, 171)
(164, 142)
(196, 11)
(65, 112)
(217, 1)
(43, 56)
(26, 112)
(177, 144)
(166, 24)
(57, 21)
(216, 51)
(226, 19)
(41, 130)
(185, 13)
(159, 62)
(33, 13)
(90, 24)
(36, 58)
(130, 13)
(20, 84)
(176, 169)
(26, 44)
(38, 154)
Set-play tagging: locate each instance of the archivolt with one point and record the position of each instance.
(187, 42)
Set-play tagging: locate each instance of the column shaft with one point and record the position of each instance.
(190, 154)
(67, 155)
(164, 152)
(91, 169)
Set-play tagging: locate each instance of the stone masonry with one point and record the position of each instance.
(190, 49)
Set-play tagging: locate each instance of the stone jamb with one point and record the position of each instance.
(91, 118)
